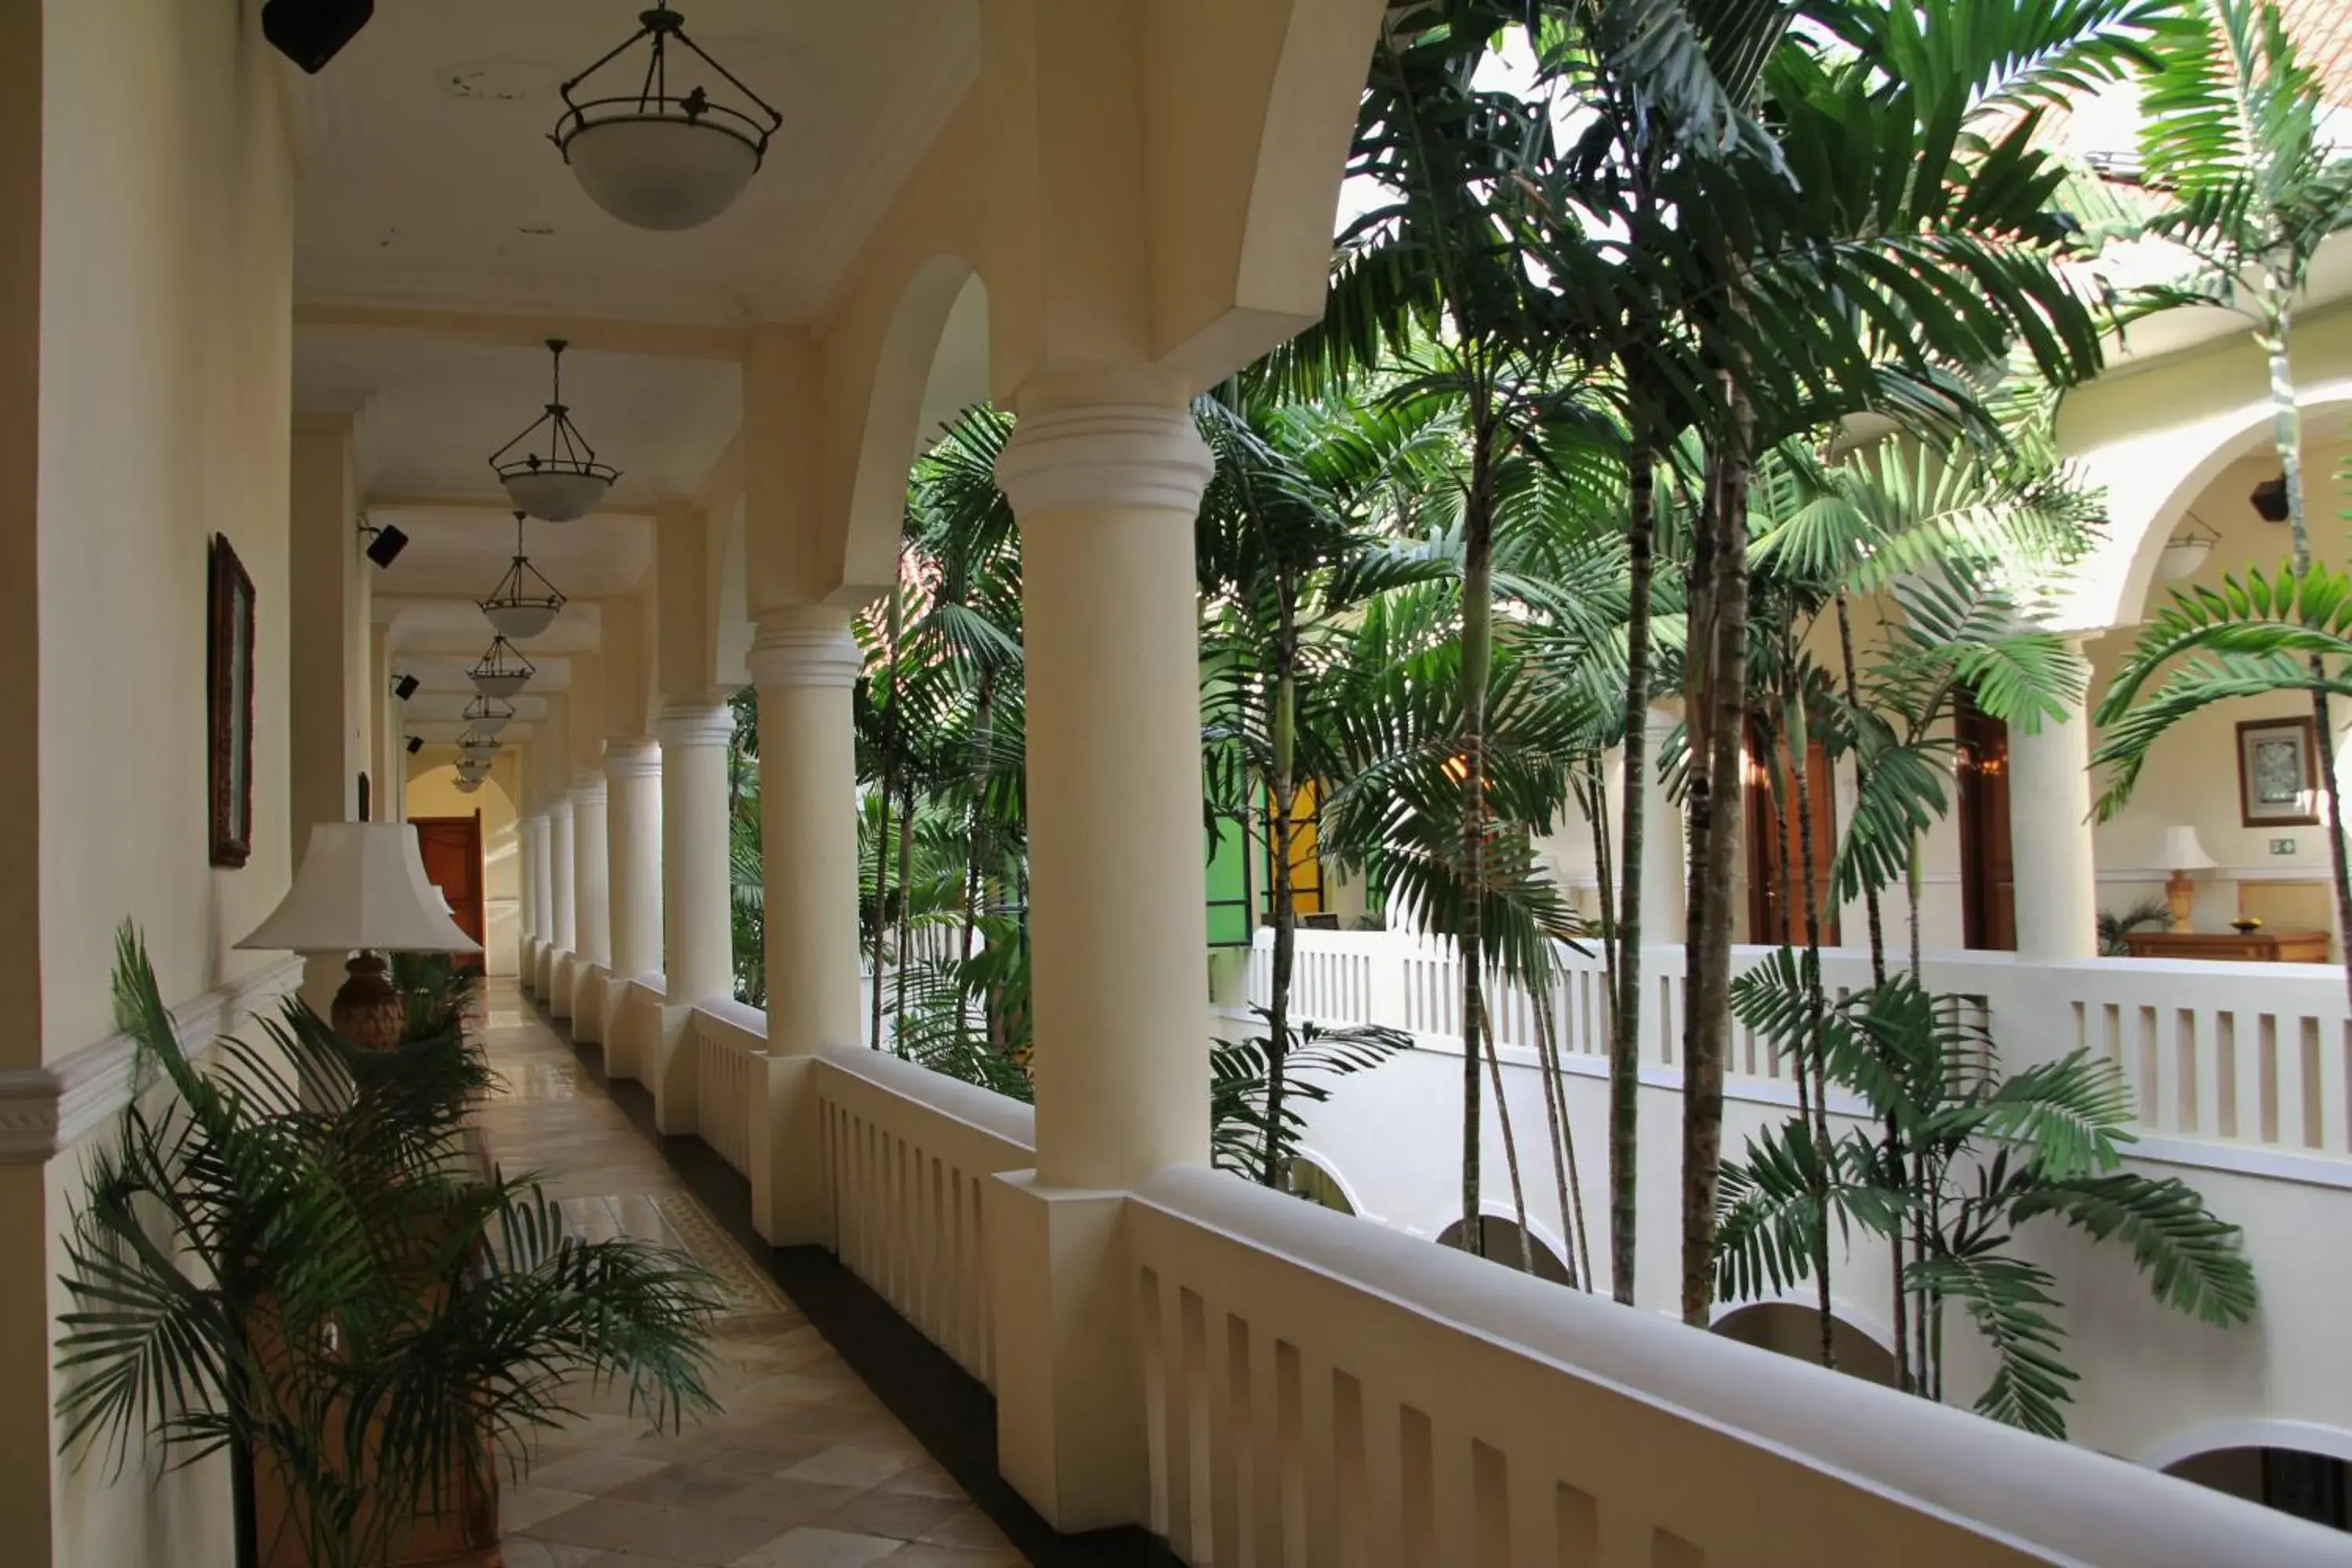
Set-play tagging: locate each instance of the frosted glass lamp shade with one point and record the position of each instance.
(502, 687)
(516, 622)
(658, 172)
(2182, 852)
(362, 887)
(555, 494)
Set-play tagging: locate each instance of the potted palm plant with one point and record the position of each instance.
(287, 1257)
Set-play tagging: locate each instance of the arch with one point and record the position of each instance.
(938, 308)
(2298, 1467)
(1252, 202)
(2249, 1432)
(1316, 1178)
(1499, 1235)
(1789, 1325)
(2151, 476)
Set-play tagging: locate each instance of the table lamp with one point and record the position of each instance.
(2183, 854)
(363, 891)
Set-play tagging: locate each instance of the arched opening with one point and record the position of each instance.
(2312, 1486)
(1319, 1185)
(1785, 1328)
(472, 852)
(1499, 1237)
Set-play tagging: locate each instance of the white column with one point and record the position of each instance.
(1664, 870)
(558, 970)
(633, 828)
(543, 877)
(2049, 840)
(526, 910)
(592, 895)
(1105, 497)
(633, 776)
(804, 662)
(698, 954)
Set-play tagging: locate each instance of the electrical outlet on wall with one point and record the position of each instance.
(2281, 846)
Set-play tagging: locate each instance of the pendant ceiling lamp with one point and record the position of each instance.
(502, 672)
(568, 481)
(525, 602)
(487, 715)
(656, 158)
(476, 750)
(468, 782)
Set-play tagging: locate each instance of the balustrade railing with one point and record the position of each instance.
(905, 1150)
(2250, 1054)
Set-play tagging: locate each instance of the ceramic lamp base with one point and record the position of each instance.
(2180, 896)
(368, 1012)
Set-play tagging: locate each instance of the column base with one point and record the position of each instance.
(670, 1074)
(1069, 1404)
(588, 987)
(527, 966)
(790, 1205)
(623, 1053)
(561, 978)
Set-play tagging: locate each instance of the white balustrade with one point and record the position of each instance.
(1319, 1390)
(729, 1042)
(905, 1152)
(2249, 1054)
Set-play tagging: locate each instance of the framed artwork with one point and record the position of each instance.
(2278, 773)
(228, 705)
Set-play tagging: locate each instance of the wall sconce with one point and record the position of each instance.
(416, 744)
(405, 687)
(2270, 500)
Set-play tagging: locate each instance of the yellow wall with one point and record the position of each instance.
(146, 406)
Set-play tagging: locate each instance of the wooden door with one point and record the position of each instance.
(1776, 907)
(452, 847)
(1987, 874)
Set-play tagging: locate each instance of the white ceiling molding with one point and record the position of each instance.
(47, 1110)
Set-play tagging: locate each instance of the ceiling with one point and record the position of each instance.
(429, 180)
(429, 184)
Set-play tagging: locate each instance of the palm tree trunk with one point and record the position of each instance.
(1477, 656)
(2286, 434)
(1562, 1138)
(983, 716)
(1283, 793)
(1510, 1148)
(906, 911)
(881, 903)
(1625, 921)
(1710, 958)
(1813, 1065)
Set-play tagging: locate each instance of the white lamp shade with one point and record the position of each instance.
(501, 687)
(659, 173)
(2182, 852)
(468, 782)
(517, 622)
(555, 495)
(491, 723)
(361, 886)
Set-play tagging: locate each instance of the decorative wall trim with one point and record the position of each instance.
(47, 1110)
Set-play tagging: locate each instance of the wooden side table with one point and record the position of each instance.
(2256, 947)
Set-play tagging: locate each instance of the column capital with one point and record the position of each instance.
(804, 646)
(1106, 457)
(587, 788)
(638, 758)
(559, 809)
(695, 724)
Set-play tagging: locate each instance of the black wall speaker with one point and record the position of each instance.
(313, 32)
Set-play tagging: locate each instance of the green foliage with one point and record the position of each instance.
(285, 1257)
(1973, 1155)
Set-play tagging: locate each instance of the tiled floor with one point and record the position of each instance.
(801, 1468)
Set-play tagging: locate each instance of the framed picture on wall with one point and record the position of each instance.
(2278, 773)
(228, 705)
